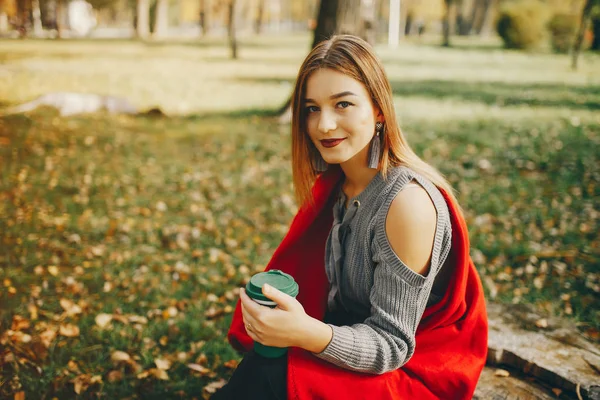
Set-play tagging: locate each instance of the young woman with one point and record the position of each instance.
(390, 304)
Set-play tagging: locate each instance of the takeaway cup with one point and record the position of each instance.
(280, 281)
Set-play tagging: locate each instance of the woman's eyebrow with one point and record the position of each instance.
(334, 96)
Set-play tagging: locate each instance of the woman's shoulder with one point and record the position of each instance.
(412, 195)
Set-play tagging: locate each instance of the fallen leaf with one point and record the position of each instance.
(19, 323)
(214, 386)
(557, 391)
(33, 311)
(198, 368)
(47, 337)
(70, 307)
(81, 383)
(541, 323)
(118, 356)
(53, 270)
(159, 374)
(20, 395)
(69, 330)
(114, 376)
(231, 364)
(102, 320)
(213, 312)
(163, 364)
(501, 373)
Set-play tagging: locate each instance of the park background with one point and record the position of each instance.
(124, 237)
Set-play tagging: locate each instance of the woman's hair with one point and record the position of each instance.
(355, 58)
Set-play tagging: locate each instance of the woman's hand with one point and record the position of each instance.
(283, 326)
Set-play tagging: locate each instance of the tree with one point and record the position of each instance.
(203, 20)
(161, 18)
(142, 19)
(585, 16)
(259, 16)
(231, 29)
(335, 17)
(448, 21)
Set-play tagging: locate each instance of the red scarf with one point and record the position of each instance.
(451, 339)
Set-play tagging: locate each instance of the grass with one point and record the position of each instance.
(155, 222)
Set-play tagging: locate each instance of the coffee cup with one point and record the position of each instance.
(280, 281)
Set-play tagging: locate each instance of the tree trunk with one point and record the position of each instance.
(36, 14)
(203, 17)
(596, 30)
(3, 22)
(23, 13)
(143, 19)
(231, 30)
(60, 9)
(448, 25)
(462, 25)
(367, 23)
(394, 23)
(335, 17)
(483, 16)
(259, 17)
(161, 19)
(585, 16)
(326, 21)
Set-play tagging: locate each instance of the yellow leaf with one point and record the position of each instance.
(163, 364)
(47, 337)
(501, 373)
(541, 323)
(198, 368)
(53, 270)
(118, 355)
(69, 330)
(159, 374)
(81, 383)
(19, 323)
(214, 386)
(114, 376)
(33, 311)
(102, 320)
(143, 375)
(70, 307)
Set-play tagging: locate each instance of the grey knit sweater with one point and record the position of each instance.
(370, 283)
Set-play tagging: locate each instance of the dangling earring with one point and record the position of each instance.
(375, 147)
(318, 162)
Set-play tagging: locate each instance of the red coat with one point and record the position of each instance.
(451, 339)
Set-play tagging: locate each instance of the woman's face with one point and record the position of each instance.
(341, 116)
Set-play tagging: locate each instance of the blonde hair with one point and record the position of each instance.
(353, 57)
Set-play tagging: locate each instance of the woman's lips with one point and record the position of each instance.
(331, 142)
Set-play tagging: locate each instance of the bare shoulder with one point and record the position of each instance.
(410, 227)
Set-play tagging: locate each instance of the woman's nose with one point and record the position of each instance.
(327, 122)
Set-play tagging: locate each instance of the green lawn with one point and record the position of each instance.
(123, 239)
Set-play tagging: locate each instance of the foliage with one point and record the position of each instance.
(521, 25)
(562, 29)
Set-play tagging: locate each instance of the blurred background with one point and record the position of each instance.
(145, 173)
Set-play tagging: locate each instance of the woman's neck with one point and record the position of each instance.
(357, 175)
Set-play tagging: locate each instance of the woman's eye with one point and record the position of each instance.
(344, 104)
(311, 109)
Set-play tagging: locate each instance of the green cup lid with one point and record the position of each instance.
(276, 278)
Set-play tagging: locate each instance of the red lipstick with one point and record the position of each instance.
(331, 142)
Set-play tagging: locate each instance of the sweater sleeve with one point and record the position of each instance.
(385, 341)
